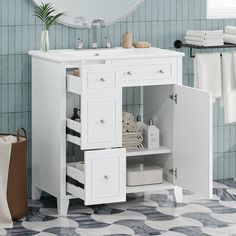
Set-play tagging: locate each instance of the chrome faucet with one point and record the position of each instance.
(95, 24)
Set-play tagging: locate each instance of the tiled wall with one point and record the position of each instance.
(159, 21)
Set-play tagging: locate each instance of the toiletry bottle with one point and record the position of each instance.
(76, 115)
(151, 135)
(140, 125)
(127, 40)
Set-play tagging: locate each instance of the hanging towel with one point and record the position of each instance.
(229, 87)
(230, 38)
(207, 73)
(204, 33)
(5, 154)
(230, 30)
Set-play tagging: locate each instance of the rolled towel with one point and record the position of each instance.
(133, 146)
(207, 73)
(132, 127)
(230, 38)
(230, 30)
(124, 128)
(132, 137)
(204, 33)
(127, 117)
(206, 44)
(229, 86)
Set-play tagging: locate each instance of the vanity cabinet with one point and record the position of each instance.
(97, 174)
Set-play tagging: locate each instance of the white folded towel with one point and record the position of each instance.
(230, 30)
(207, 73)
(133, 146)
(204, 33)
(204, 39)
(229, 86)
(5, 154)
(206, 43)
(132, 138)
(230, 38)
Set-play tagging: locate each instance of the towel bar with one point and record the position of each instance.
(179, 44)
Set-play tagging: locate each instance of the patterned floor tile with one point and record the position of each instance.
(142, 215)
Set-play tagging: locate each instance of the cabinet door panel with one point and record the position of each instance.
(105, 176)
(101, 121)
(192, 147)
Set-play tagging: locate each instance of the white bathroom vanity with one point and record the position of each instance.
(183, 115)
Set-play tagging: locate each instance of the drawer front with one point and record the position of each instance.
(102, 122)
(157, 72)
(105, 176)
(101, 80)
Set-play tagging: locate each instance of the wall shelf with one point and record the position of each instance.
(145, 151)
(180, 44)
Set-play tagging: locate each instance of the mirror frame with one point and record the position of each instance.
(38, 2)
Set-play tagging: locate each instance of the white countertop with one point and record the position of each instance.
(72, 55)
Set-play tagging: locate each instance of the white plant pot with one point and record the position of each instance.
(44, 41)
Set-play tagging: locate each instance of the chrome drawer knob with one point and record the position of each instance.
(161, 71)
(129, 73)
(102, 121)
(106, 177)
(102, 80)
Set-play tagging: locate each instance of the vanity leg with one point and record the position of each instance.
(62, 206)
(178, 194)
(36, 193)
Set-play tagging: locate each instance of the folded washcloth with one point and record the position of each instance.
(204, 33)
(230, 30)
(207, 73)
(230, 38)
(5, 154)
(204, 39)
(133, 146)
(206, 44)
(132, 138)
(229, 86)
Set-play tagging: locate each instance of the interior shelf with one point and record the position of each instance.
(145, 151)
(149, 188)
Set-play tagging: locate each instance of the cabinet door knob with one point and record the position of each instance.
(160, 71)
(102, 80)
(106, 177)
(129, 73)
(102, 121)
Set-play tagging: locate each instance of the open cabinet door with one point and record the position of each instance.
(192, 144)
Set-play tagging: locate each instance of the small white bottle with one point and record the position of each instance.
(151, 136)
(140, 125)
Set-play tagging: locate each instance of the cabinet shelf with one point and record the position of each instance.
(150, 188)
(145, 151)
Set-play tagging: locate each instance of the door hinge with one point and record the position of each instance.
(174, 97)
(173, 172)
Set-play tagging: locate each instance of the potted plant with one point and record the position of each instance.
(45, 12)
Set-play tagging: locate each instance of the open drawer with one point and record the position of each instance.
(94, 79)
(101, 179)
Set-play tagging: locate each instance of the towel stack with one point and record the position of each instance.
(230, 34)
(205, 38)
(131, 140)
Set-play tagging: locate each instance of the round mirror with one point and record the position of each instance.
(81, 13)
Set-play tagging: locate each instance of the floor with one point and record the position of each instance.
(155, 214)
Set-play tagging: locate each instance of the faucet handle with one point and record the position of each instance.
(108, 42)
(80, 43)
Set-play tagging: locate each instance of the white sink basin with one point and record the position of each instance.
(106, 53)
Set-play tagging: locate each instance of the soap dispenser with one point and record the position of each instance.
(140, 125)
(76, 115)
(151, 135)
